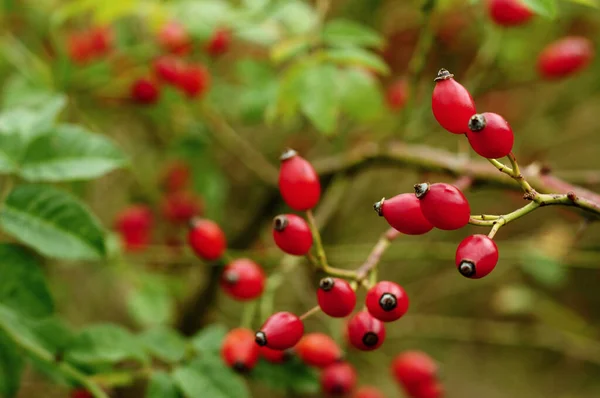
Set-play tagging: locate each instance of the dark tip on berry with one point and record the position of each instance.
(192, 222)
(477, 122)
(421, 189)
(338, 389)
(280, 222)
(370, 339)
(443, 74)
(378, 207)
(388, 302)
(326, 284)
(288, 154)
(231, 278)
(240, 367)
(466, 268)
(260, 338)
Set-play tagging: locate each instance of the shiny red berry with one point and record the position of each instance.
(298, 182)
(194, 80)
(135, 227)
(397, 95)
(219, 42)
(432, 389)
(292, 234)
(81, 393)
(565, 57)
(243, 279)
(336, 297)
(338, 379)
(239, 351)
(509, 12)
(273, 356)
(368, 392)
(476, 256)
(179, 207)
(365, 332)
(145, 91)
(176, 177)
(207, 239)
(414, 368)
(403, 213)
(451, 103)
(318, 349)
(168, 69)
(174, 38)
(280, 331)
(443, 205)
(101, 38)
(490, 135)
(387, 301)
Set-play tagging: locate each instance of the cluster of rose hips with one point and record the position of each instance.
(90, 44)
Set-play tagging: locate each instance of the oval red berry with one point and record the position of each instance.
(387, 301)
(509, 12)
(490, 135)
(443, 205)
(298, 182)
(292, 234)
(207, 239)
(239, 351)
(451, 103)
(338, 379)
(243, 279)
(403, 213)
(413, 368)
(365, 332)
(318, 349)
(145, 91)
(336, 297)
(565, 57)
(476, 256)
(280, 331)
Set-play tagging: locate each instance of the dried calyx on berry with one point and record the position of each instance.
(377, 206)
(477, 122)
(280, 222)
(421, 189)
(327, 284)
(443, 74)
(288, 153)
(388, 302)
(260, 338)
(466, 268)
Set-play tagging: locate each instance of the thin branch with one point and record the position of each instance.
(375, 256)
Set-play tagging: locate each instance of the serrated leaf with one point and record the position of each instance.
(22, 285)
(319, 100)
(161, 385)
(357, 57)
(70, 152)
(105, 344)
(360, 94)
(292, 375)
(151, 304)
(546, 8)
(164, 343)
(53, 222)
(209, 377)
(11, 367)
(343, 32)
(209, 339)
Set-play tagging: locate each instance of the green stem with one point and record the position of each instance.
(248, 314)
(321, 256)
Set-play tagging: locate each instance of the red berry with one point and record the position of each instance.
(179, 207)
(176, 177)
(292, 234)
(134, 225)
(100, 38)
(451, 103)
(443, 205)
(80, 48)
(219, 42)
(298, 182)
(318, 349)
(336, 297)
(403, 213)
(387, 301)
(397, 95)
(509, 12)
(280, 331)
(174, 38)
(145, 91)
(273, 356)
(490, 135)
(338, 379)
(194, 80)
(243, 279)
(414, 368)
(476, 256)
(427, 390)
(207, 239)
(365, 332)
(368, 392)
(168, 69)
(565, 57)
(81, 393)
(239, 350)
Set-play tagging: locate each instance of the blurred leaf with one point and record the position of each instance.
(546, 8)
(209, 377)
(360, 94)
(164, 343)
(22, 285)
(589, 3)
(150, 304)
(343, 32)
(109, 11)
(105, 344)
(514, 300)
(296, 16)
(209, 339)
(20, 92)
(202, 17)
(357, 57)
(11, 367)
(318, 98)
(32, 121)
(53, 222)
(256, 5)
(161, 385)
(288, 89)
(17, 327)
(292, 375)
(544, 269)
(52, 333)
(290, 48)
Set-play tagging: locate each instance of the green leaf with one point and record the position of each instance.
(360, 94)
(292, 375)
(151, 304)
(546, 269)
(161, 385)
(318, 97)
(20, 92)
(22, 285)
(209, 377)
(589, 3)
(105, 344)
(17, 327)
(11, 367)
(53, 222)
(164, 343)
(209, 339)
(33, 121)
(546, 8)
(296, 16)
(343, 32)
(70, 152)
(290, 48)
(357, 57)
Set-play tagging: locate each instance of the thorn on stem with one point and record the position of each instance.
(571, 195)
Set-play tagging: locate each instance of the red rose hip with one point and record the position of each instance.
(387, 301)
(206, 239)
(490, 135)
(397, 95)
(443, 205)
(365, 332)
(403, 213)
(292, 234)
(451, 103)
(368, 392)
(509, 12)
(273, 356)
(565, 57)
(194, 80)
(145, 91)
(168, 69)
(338, 379)
(243, 279)
(476, 256)
(181, 206)
(239, 351)
(414, 368)
(318, 349)
(81, 393)
(298, 182)
(280, 331)
(174, 38)
(219, 42)
(432, 389)
(336, 297)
